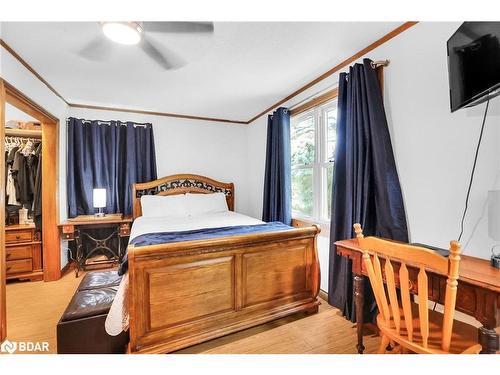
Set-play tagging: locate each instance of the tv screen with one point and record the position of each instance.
(474, 63)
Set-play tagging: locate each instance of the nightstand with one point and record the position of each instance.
(77, 229)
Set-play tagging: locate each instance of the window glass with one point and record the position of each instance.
(302, 136)
(313, 142)
(302, 191)
(331, 130)
(329, 188)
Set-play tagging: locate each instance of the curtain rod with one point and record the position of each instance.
(379, 63)
(119, 122)
(374, 64)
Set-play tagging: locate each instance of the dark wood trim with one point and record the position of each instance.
(339, 66)
(20, 100)
(103, 108)
(153, 113)
(50, 167)
(3, 271)
(319, 100)
(30, 68)
(328, 73)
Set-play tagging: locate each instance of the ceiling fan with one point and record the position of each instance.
(136, 33)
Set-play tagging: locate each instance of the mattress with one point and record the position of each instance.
(144, 225)
(118, 319)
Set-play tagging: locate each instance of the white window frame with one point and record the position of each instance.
(320, 164)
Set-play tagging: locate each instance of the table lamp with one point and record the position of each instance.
(99, 198)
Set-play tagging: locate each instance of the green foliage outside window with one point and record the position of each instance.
(302, 141)
(312, 175)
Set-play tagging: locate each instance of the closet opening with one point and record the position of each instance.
(30, 243)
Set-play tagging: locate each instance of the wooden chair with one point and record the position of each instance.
(413, 326)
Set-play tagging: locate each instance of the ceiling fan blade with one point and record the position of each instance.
(165, 58)
(97, 49)
(179, 27)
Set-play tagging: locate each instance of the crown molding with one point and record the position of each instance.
(23, 62)
(398, 30)
(30, 68)
(154, 113)
(310, 84)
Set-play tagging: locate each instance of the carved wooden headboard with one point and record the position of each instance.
(180, 184)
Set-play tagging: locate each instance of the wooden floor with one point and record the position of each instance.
(34, 308)
(326, 332)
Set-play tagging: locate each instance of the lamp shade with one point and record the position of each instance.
(494, 214)
(99, 198)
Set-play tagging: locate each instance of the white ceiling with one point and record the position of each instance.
(234, 73)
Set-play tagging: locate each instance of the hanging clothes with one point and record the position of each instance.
(10, 187)
(21, 179)
(23, 176)
(37, 192)
(32, 167)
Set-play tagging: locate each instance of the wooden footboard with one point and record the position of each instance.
(185, 293)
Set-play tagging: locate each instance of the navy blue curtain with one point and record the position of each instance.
(366, 186)
(111, 155)
(278, 180)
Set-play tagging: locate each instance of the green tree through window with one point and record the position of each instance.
(313, 141)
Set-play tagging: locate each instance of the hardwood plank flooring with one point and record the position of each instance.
(326, 332)
(34, 308)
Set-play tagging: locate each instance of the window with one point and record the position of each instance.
(313, 141)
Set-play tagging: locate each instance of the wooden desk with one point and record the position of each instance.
(74, 230)
(478, 292)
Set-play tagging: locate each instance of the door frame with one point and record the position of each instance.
(51, 243)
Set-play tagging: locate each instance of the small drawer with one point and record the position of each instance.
(18, 252)
(124, 230)
(68, 236)
(15, 236)
(18, 266)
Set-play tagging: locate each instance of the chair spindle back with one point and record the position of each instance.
(417, 257)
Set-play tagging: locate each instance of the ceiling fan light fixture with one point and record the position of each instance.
(122, 32)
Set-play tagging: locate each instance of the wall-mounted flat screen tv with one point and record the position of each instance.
(474, 63)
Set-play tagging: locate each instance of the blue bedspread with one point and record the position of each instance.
(199, 234)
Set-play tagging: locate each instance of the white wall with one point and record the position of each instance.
(14, 114)
(434, 148)
(216, 150)
(21, 78)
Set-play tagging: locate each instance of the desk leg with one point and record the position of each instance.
(78, 253)
(488, 338)
(359, 299)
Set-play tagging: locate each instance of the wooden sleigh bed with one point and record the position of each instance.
(185, 293)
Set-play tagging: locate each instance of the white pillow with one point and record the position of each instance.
(164, 205)
(199, 204)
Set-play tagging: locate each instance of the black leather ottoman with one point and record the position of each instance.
(81, 327)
